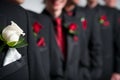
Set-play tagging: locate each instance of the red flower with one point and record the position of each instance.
(37, 27)
(41, 42)
(72, 27)
(104, 21)
(84, 24)
(104, 17)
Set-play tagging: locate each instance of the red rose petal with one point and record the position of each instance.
(104, 17)
(37, 27)
(73, 27)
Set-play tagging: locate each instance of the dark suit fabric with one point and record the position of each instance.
(117, 38)
(39, 59)
(93, 43)
(110, 40)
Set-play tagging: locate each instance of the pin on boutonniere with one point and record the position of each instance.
(84, 23)
(103, 20)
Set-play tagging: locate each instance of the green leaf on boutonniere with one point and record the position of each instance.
(21, 43)
(20, 40)
(35, 34)
(11, 44)
(73, 32)
(101, 21)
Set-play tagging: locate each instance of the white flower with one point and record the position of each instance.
(12, 33)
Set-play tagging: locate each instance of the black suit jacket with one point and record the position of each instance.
(110, 40)
(93, 42)
(18, 68)
(77, 56)
(30, 66)
(117, 55)
(73, 68)
(39, 55)
(56, 65)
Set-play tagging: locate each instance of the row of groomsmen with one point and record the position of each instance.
(65, 41)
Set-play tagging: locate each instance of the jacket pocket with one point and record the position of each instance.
(17, 70)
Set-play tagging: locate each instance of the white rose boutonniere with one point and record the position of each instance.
(12, 33)
(12, 37)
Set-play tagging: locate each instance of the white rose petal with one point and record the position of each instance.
(8, 36)
(12, 32)
(13, 38)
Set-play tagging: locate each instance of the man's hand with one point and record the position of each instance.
(115, 76)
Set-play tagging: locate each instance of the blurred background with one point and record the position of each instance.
(38, 6)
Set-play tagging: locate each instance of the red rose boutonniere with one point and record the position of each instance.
(72, 29)
(84, 23)
(36, 28)
(103, 20)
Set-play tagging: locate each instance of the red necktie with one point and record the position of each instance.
(60, 37)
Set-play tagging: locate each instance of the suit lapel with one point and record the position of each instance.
(23, 50)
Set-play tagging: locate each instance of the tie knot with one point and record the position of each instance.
(58, 21)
